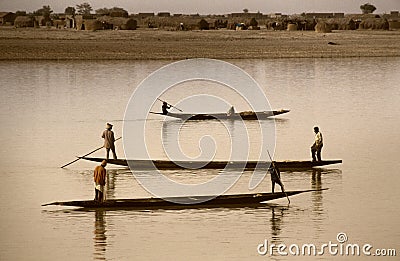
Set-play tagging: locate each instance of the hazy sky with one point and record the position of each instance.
(208, 6)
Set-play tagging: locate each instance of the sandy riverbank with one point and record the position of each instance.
(37, 44)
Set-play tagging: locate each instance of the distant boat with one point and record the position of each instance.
(245, 115)
(248, 165)
(238, 200)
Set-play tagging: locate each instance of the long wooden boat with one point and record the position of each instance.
(238, 200)
(245, 115)
(249, 165)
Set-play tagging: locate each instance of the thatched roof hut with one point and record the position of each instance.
(342, 24)
(7, 18)
(323, 27)
(347, 24)
(93, 25)
(24, 21)
(129, 24)
(292, 27)
(204, 25)
(374, 24)
(394, 25)
(43, 20)
(59, 24)
(118, 23)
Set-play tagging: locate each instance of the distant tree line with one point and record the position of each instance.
(86, 9)
(80, 9)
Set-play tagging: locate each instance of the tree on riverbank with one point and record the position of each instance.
(70, 10)
(84, 9)
(367, 8)
(113, 12)
(45, 13)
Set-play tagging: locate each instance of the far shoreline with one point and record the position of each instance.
(151, 44)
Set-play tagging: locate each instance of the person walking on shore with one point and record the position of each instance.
(108, 136)
(316, 148)
(99, 177)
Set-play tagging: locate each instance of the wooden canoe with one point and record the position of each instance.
(262, 115)
(238, 200)
(249, 165)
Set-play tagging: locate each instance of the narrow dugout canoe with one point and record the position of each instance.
(249, 165)
(262, 115)
(238, 200)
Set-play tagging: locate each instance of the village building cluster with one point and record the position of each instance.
(321, 22)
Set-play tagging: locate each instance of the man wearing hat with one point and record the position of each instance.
(108, 136)
(317, 145)
(99, 178)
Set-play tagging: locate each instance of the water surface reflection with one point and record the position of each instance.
(276, 220)
(100, 237)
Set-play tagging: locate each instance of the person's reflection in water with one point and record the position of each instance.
(276, 223)
(316, 179)
(317, 195)
(100, 238)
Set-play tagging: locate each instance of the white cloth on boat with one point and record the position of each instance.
(99, 187)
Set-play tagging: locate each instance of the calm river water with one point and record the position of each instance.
(53, 111)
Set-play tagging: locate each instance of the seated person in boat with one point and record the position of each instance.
(231, 111)
(316, 148)
(275, 177)
(165, 108)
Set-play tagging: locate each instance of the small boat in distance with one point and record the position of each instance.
(248, 165)
(244, 115)
(238, 200)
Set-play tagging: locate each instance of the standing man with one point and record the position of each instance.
(275, 177)
(165, 107)
(108, 136)
(317, 146)
(99, 178)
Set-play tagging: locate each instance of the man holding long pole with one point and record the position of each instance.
(276, 177)
(108, 136)
(167, 106)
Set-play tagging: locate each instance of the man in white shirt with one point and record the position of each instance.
(317, 146)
